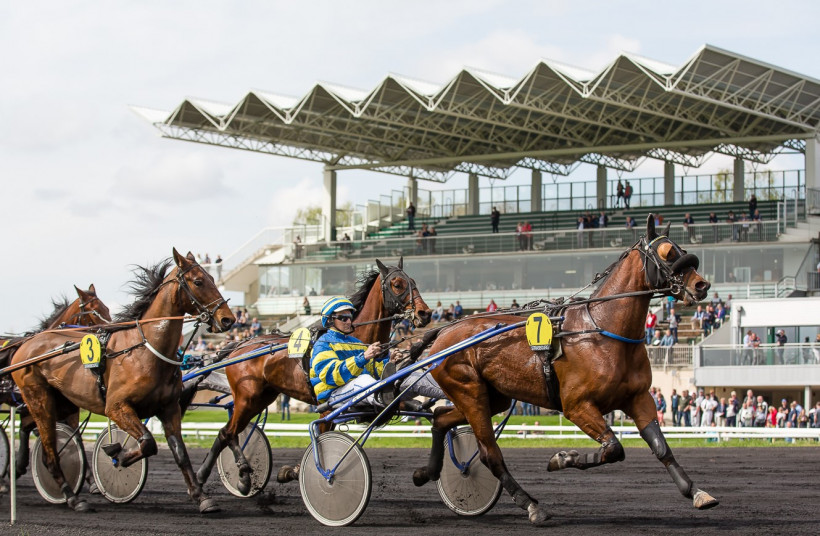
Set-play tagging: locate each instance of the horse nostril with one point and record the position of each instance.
(226, 323)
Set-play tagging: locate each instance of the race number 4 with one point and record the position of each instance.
(298, 343)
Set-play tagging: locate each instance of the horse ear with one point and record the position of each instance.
(666, 229)
(401, 262)
(92, 290)
(178, 259)
(190, 257)
(382, 267)
(650, 227)
(80, 292)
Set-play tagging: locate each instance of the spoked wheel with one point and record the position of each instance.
(117, 484)
(256, 448)
(469, 491)
(4, 453)
(72, 462)
(341, 500)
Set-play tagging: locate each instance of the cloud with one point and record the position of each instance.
(172, 179)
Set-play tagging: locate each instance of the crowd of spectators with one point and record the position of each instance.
(701, 409)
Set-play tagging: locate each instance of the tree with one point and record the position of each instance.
(312, 215)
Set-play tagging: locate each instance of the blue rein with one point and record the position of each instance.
(611, 335)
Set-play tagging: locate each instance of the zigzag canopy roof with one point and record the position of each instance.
(550, 119)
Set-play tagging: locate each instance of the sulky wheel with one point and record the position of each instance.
(468, 490)
(4, 453)
(72, 462)
(117, 484)
(256, 448)
(343, 499)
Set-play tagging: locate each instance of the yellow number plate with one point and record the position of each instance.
(539, 331)
(298, 343)
(90, 353)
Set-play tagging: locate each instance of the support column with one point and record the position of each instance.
(813, 164)
(807, 403)
(413, 191)
(329, 206)
(472, 195)
(601, 189)
(739, 190)
(668, 183)
(535, 192)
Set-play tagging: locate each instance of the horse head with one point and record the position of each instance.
(204, 299)
(400, 294)
(668, 265)
(92, 310)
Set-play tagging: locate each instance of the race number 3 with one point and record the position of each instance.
(298, 343)
(90, 353)
(539, 331)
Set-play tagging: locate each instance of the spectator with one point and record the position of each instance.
(459, 310)
(651, 321)
(782, 413)
(627, 194)
(708, 321)
(450, 313)
(668, 339)
(630, 222)
(794, 411)
(694, 408)
(495, 217)
(771, 418)
(673, 324)
(312, 292)
(493, 307)
(285, 406)
(728, 305)
(425, 239)
(732, 408)
(750, 398)
(438, 313)
(420, 240)
(720, 315)
(603, 220)
(761, 412)
(201, 345)
(683, 410)
(720, 413)
(514, 305)
(746, 416)
(817, 414)
(674, 405)
(411, 217)
(707, 409)
(660, 406)
(432, 238)
(346, 246)
(714, 220)
(581, 226)
(527, 229)
(218, 263)
(688, 221)
(207, 259)
(619, 193)
(306, 305)
(519, 236)
(256, 327)
(781, 340)
(697, 318)
(715, 300)
(732, 219)
(752, 205)
(297, 247)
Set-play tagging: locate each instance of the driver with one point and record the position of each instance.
(340, 363)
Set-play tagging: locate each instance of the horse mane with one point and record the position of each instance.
(363, 286)
(60, 305)
(144, 286)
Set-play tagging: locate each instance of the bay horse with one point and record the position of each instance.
(602, 369)
(140, 378)
(86, 310)
(256, 383)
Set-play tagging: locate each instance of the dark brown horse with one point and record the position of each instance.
(86, 310)
(141, 376)
(256, 383)
(598, 372)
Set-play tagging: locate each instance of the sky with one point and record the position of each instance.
(90, 189)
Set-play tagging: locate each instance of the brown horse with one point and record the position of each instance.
(140, 379)
(256, 383)
(602, 369)
(86, 310)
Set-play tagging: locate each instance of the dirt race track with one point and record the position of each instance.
(762, 491)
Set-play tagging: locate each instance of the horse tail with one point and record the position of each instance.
(426, 340)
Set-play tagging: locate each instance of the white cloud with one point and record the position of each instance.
(173, 179)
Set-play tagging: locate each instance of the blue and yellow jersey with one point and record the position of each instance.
(336, 360)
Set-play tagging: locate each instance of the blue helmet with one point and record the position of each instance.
(337, 303)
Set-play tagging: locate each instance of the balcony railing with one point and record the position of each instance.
(567, 239)
(764, 355)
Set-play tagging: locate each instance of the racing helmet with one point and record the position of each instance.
(337, 303)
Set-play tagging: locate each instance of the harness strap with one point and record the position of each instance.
(154, 350)
(611, 335)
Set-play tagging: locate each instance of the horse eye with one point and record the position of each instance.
(198, 282)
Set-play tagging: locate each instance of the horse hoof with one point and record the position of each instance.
(420, 477)
(93, 489)
(287, 474)
(704, 501)
(537, 515)
(78, 505)
(562, 460)
(244, 486)
(208, 506)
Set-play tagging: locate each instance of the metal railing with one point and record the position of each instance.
(567, 239)
(733, 355)
(679, 355)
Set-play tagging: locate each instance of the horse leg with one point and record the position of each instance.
(27, 425)
(643, 413)
(590, 420)
(172, 423)
(444, 419)
(129, 422)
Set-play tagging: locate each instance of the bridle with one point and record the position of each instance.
(205, 312)
(92, 312)
(662, 274)
(396, 304)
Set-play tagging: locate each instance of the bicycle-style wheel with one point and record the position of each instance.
(4, 454)
(256, 448)
(117, 484)
(72, 462)
(468, 491)
(341, 500)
